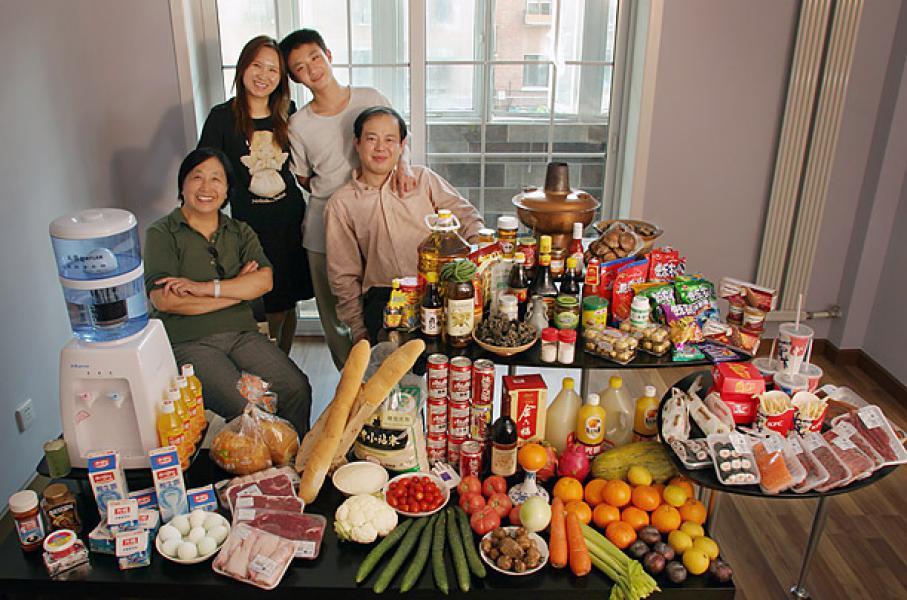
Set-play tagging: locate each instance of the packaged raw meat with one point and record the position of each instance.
(733, 459)
(254, 556)
(694, 454)
(276, 481)
(875, 428)
(853, 458)
(282, 503)
(779, 468)
(305, 529)
(816, 474)
(842, 400)
(850, 432)
(839, 473)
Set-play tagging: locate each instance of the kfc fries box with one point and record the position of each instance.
(168, 482)
(737, 384)
(108, 482)
(774, 412)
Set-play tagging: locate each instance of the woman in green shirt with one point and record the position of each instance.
(201, 269)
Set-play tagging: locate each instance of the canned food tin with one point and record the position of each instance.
(480, 421)
(438, 372)
(57, 458)
(436, 447)
(482, 381)
(471, 458)
(460, 379)
(458, 419)
(595, 312)
(437, 417)
(454, 444)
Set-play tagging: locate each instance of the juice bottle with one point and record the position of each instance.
(192, 406)
(170, 428)
(619, 408)
(195, 386)
(182, 410)
(645, 424)
(441, 246)
(562, 414)
(590, 422)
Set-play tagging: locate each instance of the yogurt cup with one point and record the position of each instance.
(767, 368)
(791, 384)
(813, 373)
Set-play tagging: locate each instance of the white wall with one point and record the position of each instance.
(90, 117)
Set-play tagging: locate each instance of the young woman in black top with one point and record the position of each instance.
(251, 129)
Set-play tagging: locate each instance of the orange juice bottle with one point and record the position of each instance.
(182, 409)
(192, 405)
(170, 428)
(195, 386)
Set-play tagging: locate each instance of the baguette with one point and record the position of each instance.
(376, 390)
(315, 468)
(308, 442)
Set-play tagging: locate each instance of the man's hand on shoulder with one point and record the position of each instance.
(404, 180)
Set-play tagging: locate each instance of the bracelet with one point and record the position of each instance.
(217, 288)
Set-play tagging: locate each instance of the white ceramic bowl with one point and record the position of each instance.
(351, 479)
(191, 561)
(539, 543)
(445, 493)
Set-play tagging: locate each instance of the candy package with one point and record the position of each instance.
(622, 290)
(611, 344)
(658, 294)
(665, 264)
(653, 339)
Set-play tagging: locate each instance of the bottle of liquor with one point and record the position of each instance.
(518, 284)
(431, 308)
(503, 442)
(571, 281)
(543, 284)
(575, 248)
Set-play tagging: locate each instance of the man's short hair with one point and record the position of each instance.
(374, 111)
(298, 38)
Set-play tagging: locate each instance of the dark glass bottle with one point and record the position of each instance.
(432, 307)
(518, 284)
(571, 281)
(503, 442)
(459, 313)
(543, 285)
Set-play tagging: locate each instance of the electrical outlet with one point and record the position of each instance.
(25, 414)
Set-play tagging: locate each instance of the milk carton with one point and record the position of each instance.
(147, 498)
(149, 520)
(100, 540)
(122, 515)
(203, 498)
(168, 482)
(133, 549)
(105, 473)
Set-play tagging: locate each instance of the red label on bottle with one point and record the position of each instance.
(522, 294)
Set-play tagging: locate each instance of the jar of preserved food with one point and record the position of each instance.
(566, 312)
(529, 247)
(486, 237)
(558, 263)
(460, 312)
(24, 508)
(507, 228)
(60, 508)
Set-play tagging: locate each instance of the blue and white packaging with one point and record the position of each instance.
(147, 498)
(168, 482)
(100, 540)
(149, 520)
(108, 482)
(133, 549)
(203, 498)
(122, 515)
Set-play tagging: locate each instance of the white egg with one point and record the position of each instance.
(212, 520)
(171, 546)
(181, 523)
(169, 532)
(196, 534)
(206, 546)
(187, 551)
(197, 518)
(219, 533)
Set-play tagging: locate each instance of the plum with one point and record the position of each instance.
(665, 550)
(649, 535)
(638, 549)
(677, 573)
(654, 563)
(720, 570)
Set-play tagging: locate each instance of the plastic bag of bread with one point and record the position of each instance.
(240, 448)
(279, 436)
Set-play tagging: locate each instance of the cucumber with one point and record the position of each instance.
(411, 576)
(403, 550)
(371, 560)
(456, 551)
(469, 543)
(438, 568)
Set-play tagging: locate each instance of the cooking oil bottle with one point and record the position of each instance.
(195, 386)
(442, 245)
(182, 410)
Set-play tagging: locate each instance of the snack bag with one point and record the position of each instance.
(622, 290)
(658, 294)
(254, 389)
(279, 436)
(239, 447)
(607, 272)
(665, 264)
(747, 293)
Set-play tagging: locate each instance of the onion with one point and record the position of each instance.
(535, 514)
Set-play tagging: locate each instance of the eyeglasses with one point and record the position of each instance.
(214, 261)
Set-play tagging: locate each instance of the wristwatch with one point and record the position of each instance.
(217, 288)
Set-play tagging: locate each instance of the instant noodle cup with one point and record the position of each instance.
(813, 374)
(767, 368)
(809, 412)
(775, 412)
(793, 343)
(791, 384)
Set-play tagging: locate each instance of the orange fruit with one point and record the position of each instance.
(684, 482)
(605, 514)
(593, 492)
(635, 517)
(582, 510)
(620, 534)
(616, 493)
(666, 518)
(532, 457)
(693, 510)
(660, 487)
(645, 497)
(567, 489)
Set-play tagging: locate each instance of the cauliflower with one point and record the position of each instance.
(363, 518)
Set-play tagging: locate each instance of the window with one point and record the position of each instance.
(535, 74)
(538, 11)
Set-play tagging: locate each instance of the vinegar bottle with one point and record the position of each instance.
(170, 428)
(645, 423)
(195, 386)
(182, 410)
(619, 408)
(562, 414)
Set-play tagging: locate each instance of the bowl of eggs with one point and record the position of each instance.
(193, 538)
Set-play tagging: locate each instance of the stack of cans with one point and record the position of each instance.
(458, 407)
(438, 374)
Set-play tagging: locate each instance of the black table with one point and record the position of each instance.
(331, 575)
(708, 479)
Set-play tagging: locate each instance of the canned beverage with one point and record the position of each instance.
(438, 370)
(454, 444)
(436, 447)
(482, 381)
(437, 417)
(471, 458)
(480, 421)
(458, 419)
(460, 379)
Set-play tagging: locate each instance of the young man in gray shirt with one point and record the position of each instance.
(323, 158)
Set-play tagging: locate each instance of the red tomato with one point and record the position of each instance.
(484, 520)
(471, 503)
(494, 484)
(469, 485)
(515, 515)
(500, 503)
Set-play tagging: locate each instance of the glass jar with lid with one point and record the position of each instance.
(60, 508)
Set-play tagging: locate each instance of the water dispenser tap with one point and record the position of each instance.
(88, 398)
(117, 398)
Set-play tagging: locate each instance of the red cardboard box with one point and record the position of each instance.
(741, 379)
(528, 400)
(743, 407)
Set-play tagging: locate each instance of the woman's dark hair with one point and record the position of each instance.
(298, 38)
(278, 101)
(374, 111)
(197, 157)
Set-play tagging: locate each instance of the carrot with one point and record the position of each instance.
(557, 546)
(580, 561)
